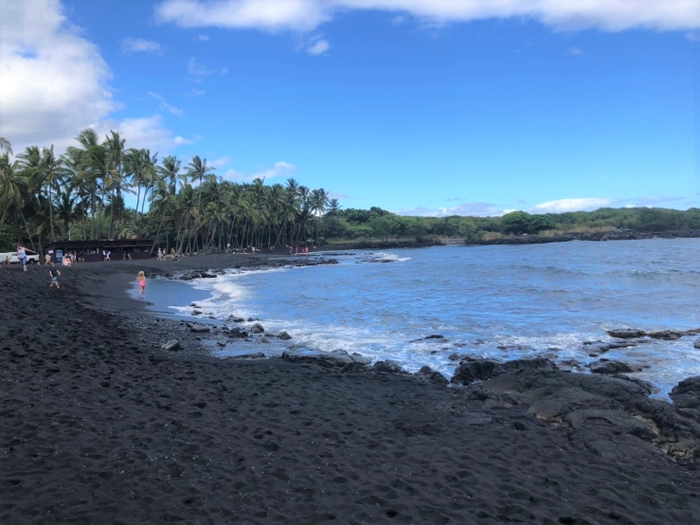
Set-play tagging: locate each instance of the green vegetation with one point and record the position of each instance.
(80, 195)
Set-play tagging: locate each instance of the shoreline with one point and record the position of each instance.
(100, 425)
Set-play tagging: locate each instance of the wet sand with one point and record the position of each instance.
(98, 425)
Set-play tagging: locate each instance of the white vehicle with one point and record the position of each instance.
(32, 257)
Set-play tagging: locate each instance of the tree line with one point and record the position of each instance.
(80, 195)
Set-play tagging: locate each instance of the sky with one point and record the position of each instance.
(420, 107)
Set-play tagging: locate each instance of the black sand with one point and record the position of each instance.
(97, 425)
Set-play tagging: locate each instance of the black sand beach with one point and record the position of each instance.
(99, 425)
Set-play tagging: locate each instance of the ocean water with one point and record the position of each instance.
(501, 302)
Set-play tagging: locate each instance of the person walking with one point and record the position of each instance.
(141, 278)
(22, 256)
(54, 273)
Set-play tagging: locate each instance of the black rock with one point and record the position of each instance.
(666, 335)
(388, 366)
(612, 367)
(627, 333)
(428, 375)
(435, 338)
(257, 328)
(284, 336)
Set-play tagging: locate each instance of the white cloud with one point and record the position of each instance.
(221, 161)
(564, 205)
(143, 132)
(318, 48)
(307, 15)
(141, 45)
(203, 38)
(280, 169)
(468, 209)
(53, 82)
(164, 104)
(196, 92)
(197, 69)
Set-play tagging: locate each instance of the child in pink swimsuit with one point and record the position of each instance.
(142, 282)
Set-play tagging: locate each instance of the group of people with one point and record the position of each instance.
(162, 254)
(304, 250)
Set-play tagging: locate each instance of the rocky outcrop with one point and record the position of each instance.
(627, 333)
(428, 375)
(596, 348)
(611, 416)
(605, 366)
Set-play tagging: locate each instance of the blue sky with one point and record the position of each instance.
(428, 107)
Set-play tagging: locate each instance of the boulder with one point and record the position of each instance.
(196, 327)
(686, 394)
(171, 346)
(257, 328)
(196, 312)
(666, 335)
(388, 366)
(612, 367)
(336, 359)
(627, 333)
(361, 359)
(595, 348)
(284, 336)
(471, 370)
(237, 333)
(234, 319)
(696, 344)
(428, 375)
(436, 338)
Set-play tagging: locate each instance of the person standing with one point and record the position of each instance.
(54, 273)
(22, 256)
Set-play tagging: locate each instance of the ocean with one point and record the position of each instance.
(500, 302)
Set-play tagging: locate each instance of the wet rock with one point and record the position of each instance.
(456, 357)
(428, 375)
(264, 340)
(171, 346)
(237, 333)
(666, 335)
(234, 319)
(471, 370)
(686, 394)
(612, 367)
(196, 327)
(257, 328)
(696, 344)
(205, 275)
(361, 359)
(253, 319)
(196, 312)
(627, 333)
(431, 338)
(388, 366)
(258, 355)
(336, 359)
(596, 348)
(284, 336)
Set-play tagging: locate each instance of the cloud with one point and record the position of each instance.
(197, 69)
(564, 205)
(141, 45)
(468, 209)
(164, 104)
(693, 36)
(221, 161)
(143, 132)
(307, 15)
(203, 38)
(280, 169)
(318, 48)
(196, 92)
(53, 82)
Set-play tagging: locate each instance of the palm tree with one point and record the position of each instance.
(45, 172)
(165, 187)
(5, 146)
(13, 186)
(196, 171)
(114, 145)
